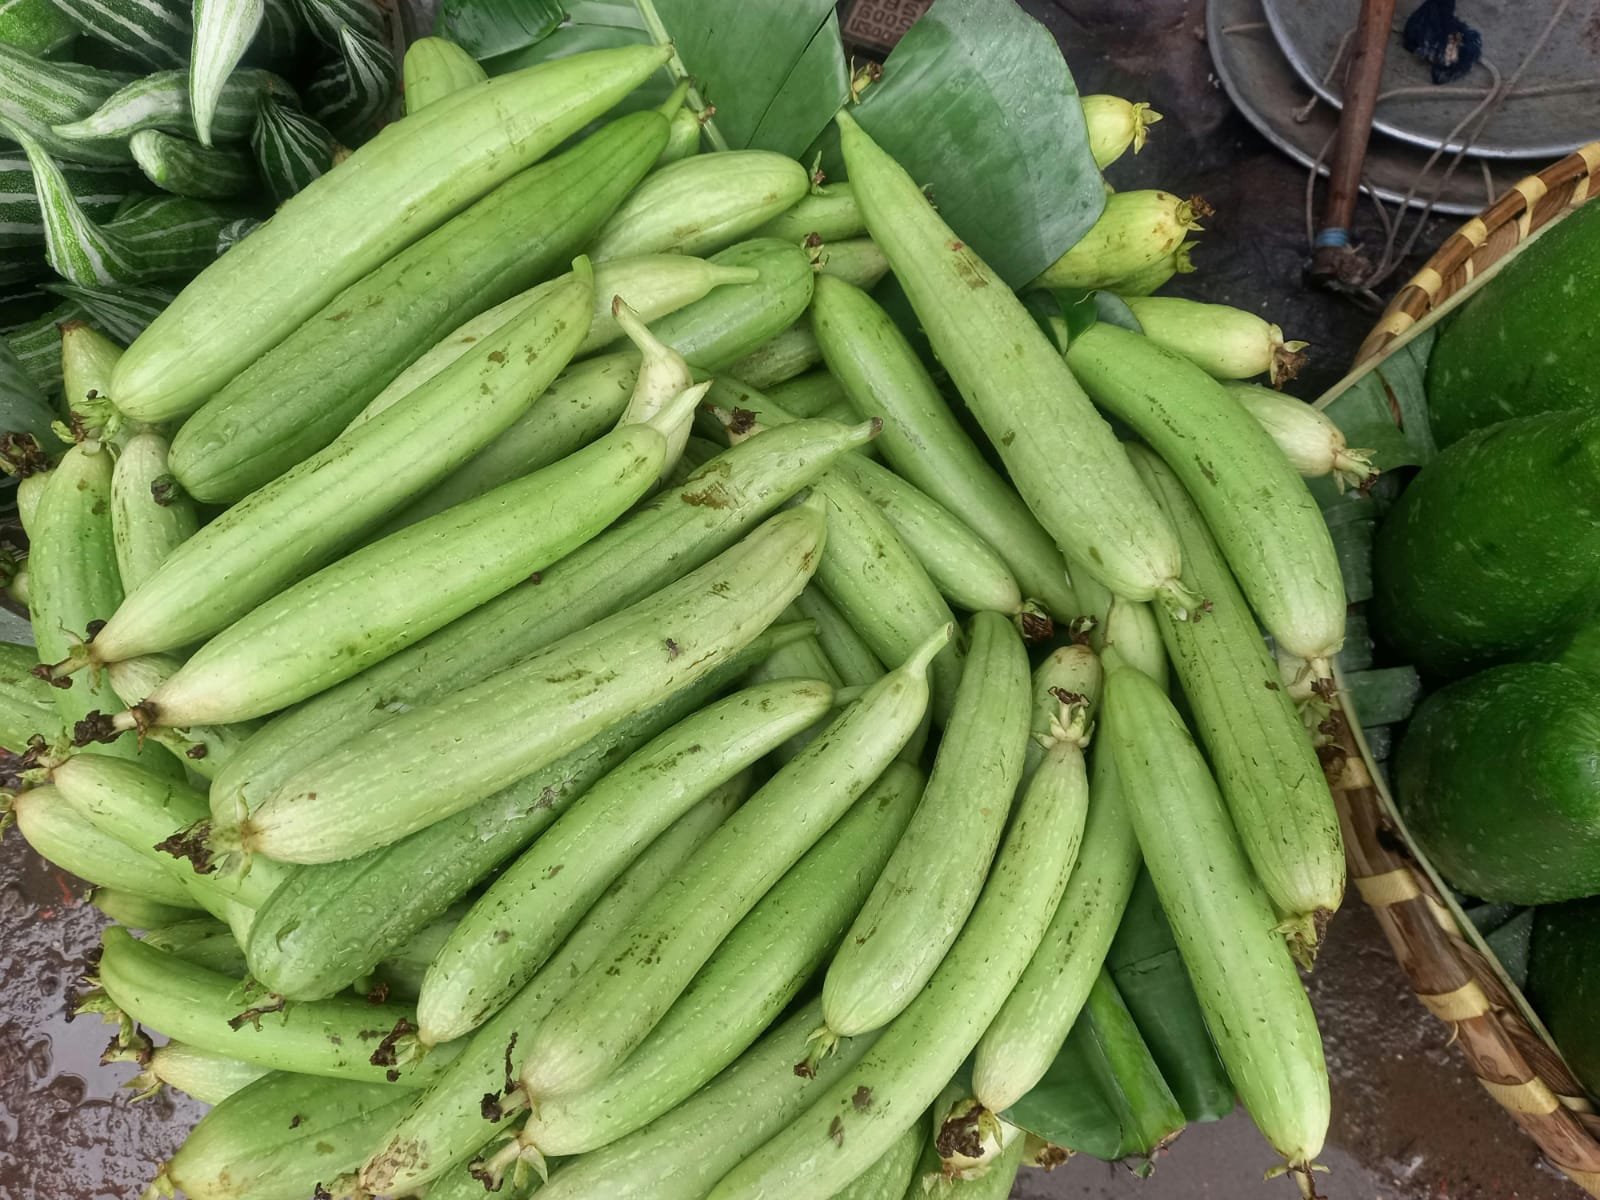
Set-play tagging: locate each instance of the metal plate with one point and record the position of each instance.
(1270, 94)
(1554, 109)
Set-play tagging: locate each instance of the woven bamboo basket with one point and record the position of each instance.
(1451, 969)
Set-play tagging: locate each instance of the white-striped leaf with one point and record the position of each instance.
(186, 168)
(36, 26)
(79, 249)
(98, 190)
(234, 232)
(223, 31)
(290, 148)
(325, 18)
(36, 96)
(161, 101)
(23, 406)
(37, 345)
(121, 313)
(350, 94)
(170, 236)
(156, 32)
(278, 39)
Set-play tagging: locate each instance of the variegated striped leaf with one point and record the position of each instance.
(290, 148)
(235, 232)
(278, 39)
(170, 236)
(78, 248)
(37, 345)
(36, 95)
(349, 95)
(223, 31)
(24, 408)
(36, 26)
(186, 168)
(98, 190)
(121, 313)
(325, 18)
(161, 101)
(155, 32)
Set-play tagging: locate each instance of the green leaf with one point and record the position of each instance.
(776, 74)
(484, 28)
(978, 104)
(1386, 409)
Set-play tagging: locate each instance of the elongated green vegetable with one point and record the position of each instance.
(469, 745)
(702, 204)
(434, 68)
(893, 1174)
(882, 375)
(206, 749)
(1224, 924)
(1143, 283)
(1135, 231)
(923, 898)
(1115, 126)
(136, 912)
(186, 168)
(762, 965)
(329, 925)
(882, 589)
(861, 1113)
(1227, 343)
(959, 563)
(304, 518)
(73, 580)
(426, 169)
(1265, 521)
(581, 405)
(27, 705)
(1023, 1040)
(621, 998)
(779, 358)
(297, 397)
(732, 321)
(1061, 454)
(536, 902)
(209, 1078)
(1312, 443)
(333, 1038)
(653, 285)
(807, 395)
(280, 1138)
(142, 810)
(680, 1155)
(827, 212)
(676, 532)
(684, 139)
(856, 261)
(150, 515)
(61, 834)
(88, 359)
(849, 655)
(451, 1121)
(76, 247)
(1258, 746)
(330, 625)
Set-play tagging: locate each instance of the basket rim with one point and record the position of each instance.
(1423, 923)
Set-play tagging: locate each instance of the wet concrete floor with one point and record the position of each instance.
(1409, 1122)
